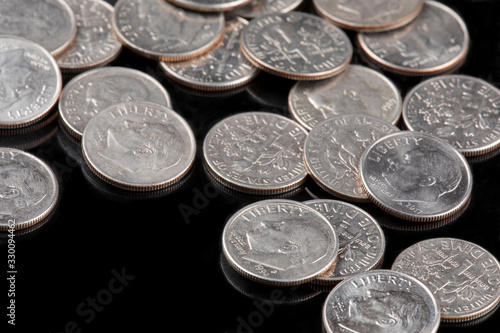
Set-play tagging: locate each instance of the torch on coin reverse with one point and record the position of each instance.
(416, 176)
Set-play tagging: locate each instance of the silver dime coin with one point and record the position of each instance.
(161, 31)
(50, 23)
(96, 43)
(29, 189)
(210, 5)
(333, 149)
(256, 152)
(224, 67)
(357, 90)
(369, 16)
(433, 43)
(464, 277)
(381, 301)
(90, 92)
(258, 8)
(361, 239)
(30, 82)
(279, 242)
(416, 176)
(461, 109)
(296, 45)
(139, 146)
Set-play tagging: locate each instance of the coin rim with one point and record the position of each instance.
(199, 6)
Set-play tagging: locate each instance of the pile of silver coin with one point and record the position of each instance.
(349, 129)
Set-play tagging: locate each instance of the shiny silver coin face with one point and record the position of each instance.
(333, 149)
(357, 90)
(256, 152)
(210, 5)
(89, 93)
(369, 16)
(139, 146)
(50, 23)
(222, 68)
(296, 45)
(258, 8)
(95, 44)
(460, 109)
(416, 176)
(30, 82)
(29, 189)
(361, 239)
(381, 301)
(279, 242)
(161, 31)
(436, 41)
(463, 276)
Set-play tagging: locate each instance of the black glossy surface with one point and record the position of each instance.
(168, 245)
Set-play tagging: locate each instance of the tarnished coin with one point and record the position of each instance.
(369, 16)
(30, 82)
(224, 67)
(50, 23)
(279, 242)
(464, 277)
(461, 109)
(357, 90)
(256, 152)
(96, 43)
(416, 176)
(161, 31)
(139, 146)
(361, 239)
(436, 41)
(258, 8)
(381, 301)
(29, 189)
(210, 5)
(296, 45)
(91, 92)
(333, 149)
